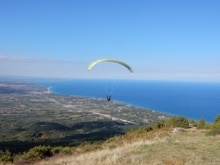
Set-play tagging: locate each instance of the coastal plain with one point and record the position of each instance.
(31, 115)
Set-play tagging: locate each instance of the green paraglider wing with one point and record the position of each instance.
(110, 60)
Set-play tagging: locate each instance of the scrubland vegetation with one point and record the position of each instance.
(174, 141)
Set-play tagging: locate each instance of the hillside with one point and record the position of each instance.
(163, 146)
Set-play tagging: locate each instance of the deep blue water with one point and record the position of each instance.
(190, 99)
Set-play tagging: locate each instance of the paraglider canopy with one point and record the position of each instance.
(114, 85)
(91, 65)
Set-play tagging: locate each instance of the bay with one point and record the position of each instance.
(193, 100)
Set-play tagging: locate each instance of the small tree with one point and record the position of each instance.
(201, 124)
(181, 122)
(215, 129)
(170, 122)
(39, 152)
(193, 123)
(159, 124)
(6, 156)
(217, 119)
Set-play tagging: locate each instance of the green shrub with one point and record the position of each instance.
(56, 150)
(170, 122)
(217, 119)
(215, 129)
(192, 122)
(6, 156)
(66, 150)
(140, 130)
(148, 128)
(39, 152)
(177, 122)
(208, 126)
(159, 124)
(182, 122)
(201, 124)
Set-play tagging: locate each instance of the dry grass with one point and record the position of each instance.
(163, 147)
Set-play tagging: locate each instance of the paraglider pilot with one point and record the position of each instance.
(108, 97)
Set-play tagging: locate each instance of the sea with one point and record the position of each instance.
(194, 100)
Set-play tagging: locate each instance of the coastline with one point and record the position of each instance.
(175, 99)
(125, 103)
(48, 89)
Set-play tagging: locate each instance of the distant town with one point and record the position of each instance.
(32, 113)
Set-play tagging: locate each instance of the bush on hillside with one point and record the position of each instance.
(170, 122)
(66, 150)
(193, 123)
(201, 124)
(147, 128)
(5, 156)
(179, 121)
(159, 124)
(217, 119)
(56, 150)
(215, 129)
(38, 152)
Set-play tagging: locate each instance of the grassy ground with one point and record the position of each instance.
(188, 147)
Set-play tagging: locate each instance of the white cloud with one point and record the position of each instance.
(26, 59)
(40, 67)
(2, 57)
(6, 58)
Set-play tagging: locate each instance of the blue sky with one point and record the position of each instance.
(160, 40)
